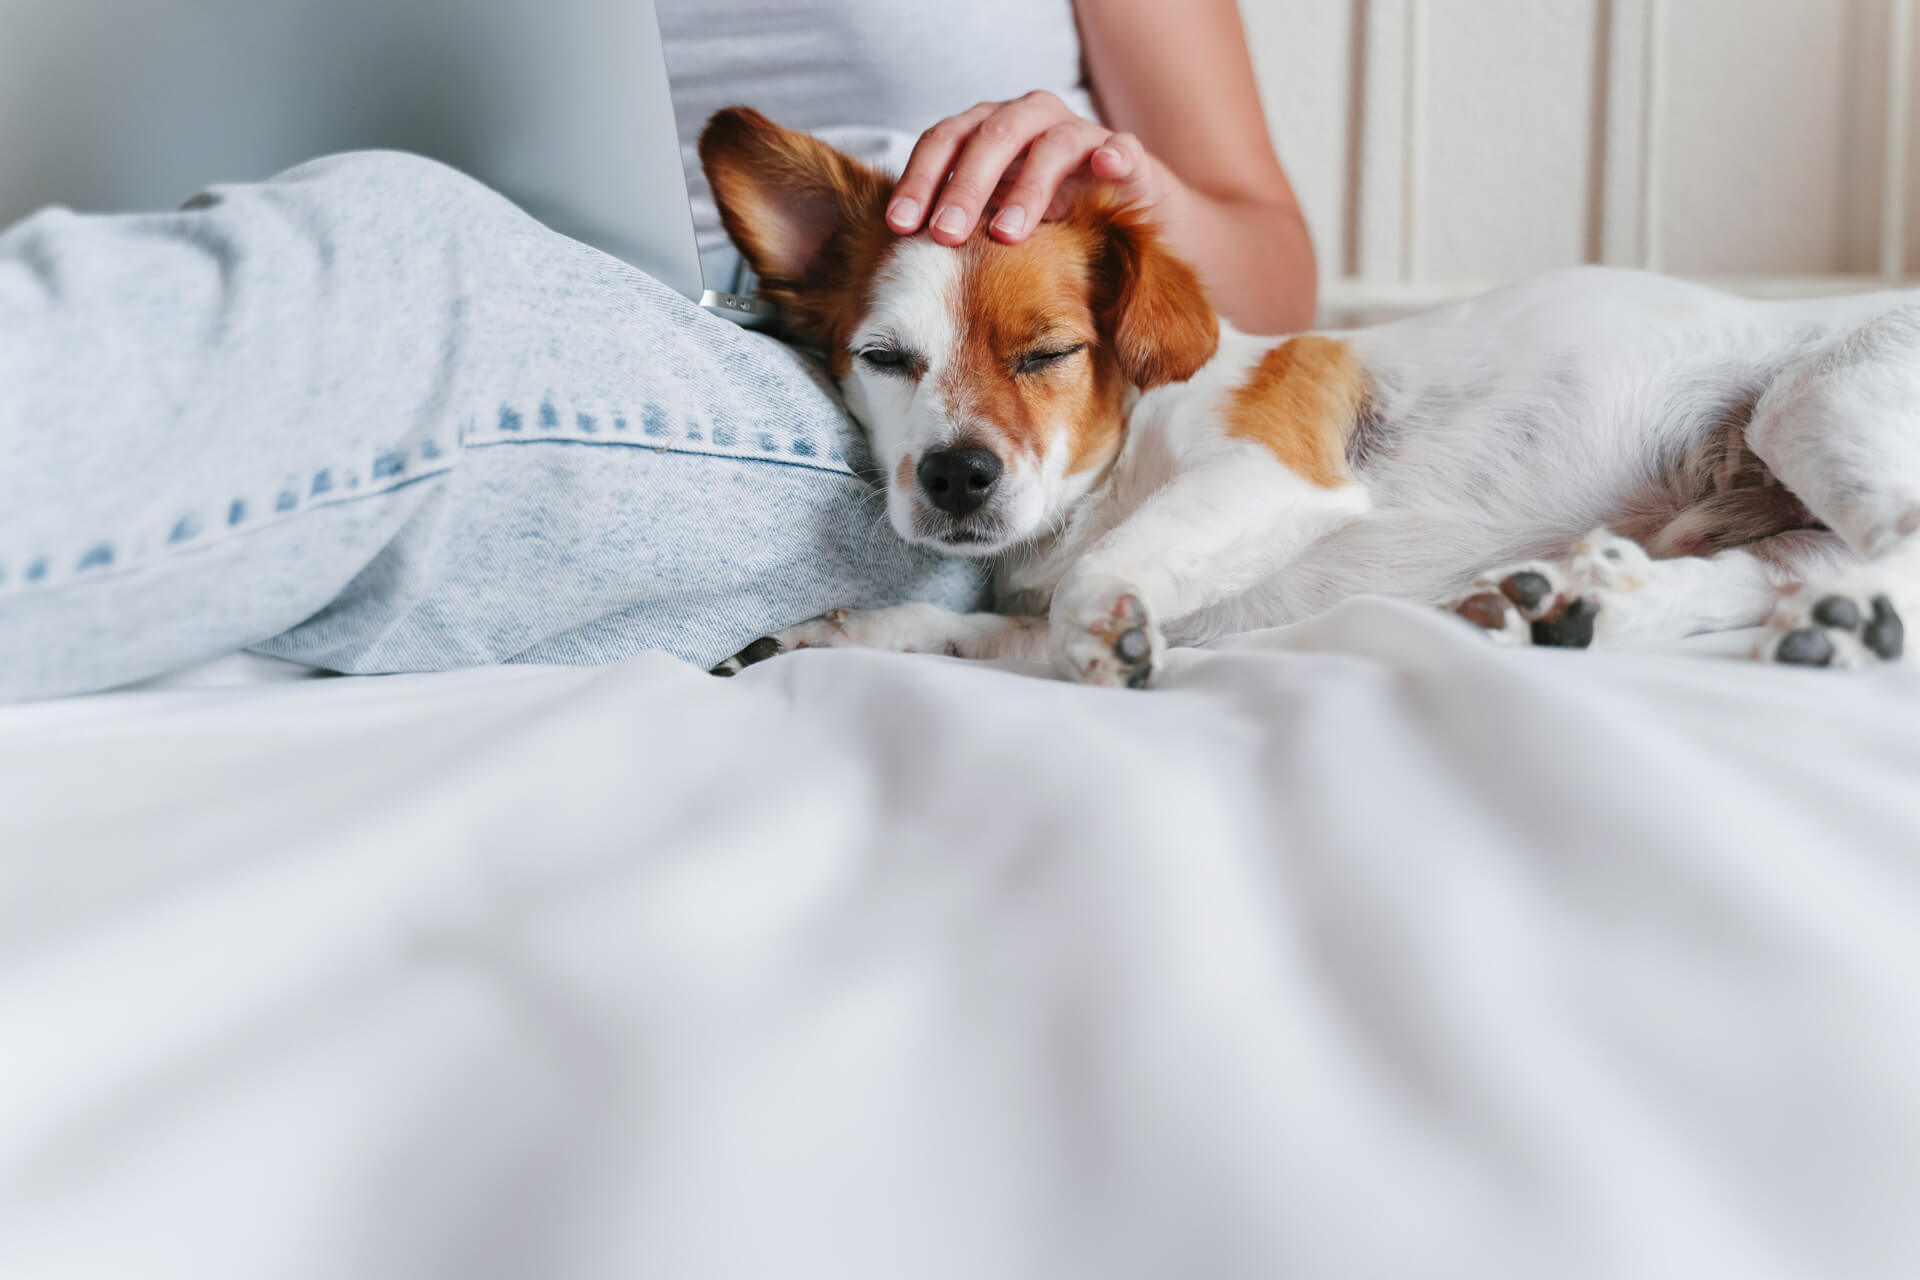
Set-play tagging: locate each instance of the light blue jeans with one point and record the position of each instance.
(372, 417)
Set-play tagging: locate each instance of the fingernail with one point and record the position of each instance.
(904, 212)
(952, 220)
(1012, 220)
(1111, 155)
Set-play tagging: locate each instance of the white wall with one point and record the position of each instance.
(1527, 148)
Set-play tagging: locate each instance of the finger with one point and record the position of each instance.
(1122, 161)
(995, 144)
(928, 166)
(1056, 153)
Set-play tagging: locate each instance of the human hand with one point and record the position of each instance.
(1024, 161)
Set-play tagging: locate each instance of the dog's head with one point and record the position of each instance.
(993, 380)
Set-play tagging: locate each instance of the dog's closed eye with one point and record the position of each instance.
(1046, 358)
(892, 360)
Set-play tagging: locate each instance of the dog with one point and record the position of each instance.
(1591, 456)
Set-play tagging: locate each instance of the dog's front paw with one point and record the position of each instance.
(824, 632)
(1110, 639)
(1849, 623)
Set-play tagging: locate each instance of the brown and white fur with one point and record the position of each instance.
(1590, 455)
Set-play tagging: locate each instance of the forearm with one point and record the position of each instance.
(1255, 257)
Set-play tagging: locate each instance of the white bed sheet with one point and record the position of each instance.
(1361, 948)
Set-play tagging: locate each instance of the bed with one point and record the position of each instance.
(1362, 948)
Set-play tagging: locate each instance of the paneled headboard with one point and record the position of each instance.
(1443, 146)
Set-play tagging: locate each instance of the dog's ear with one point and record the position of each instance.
(1149, 302)
(795, 207)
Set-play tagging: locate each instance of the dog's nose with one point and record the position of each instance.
(958, 480)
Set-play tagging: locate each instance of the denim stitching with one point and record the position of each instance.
(332, 485)
(112, 557)
(750, 459)
(558, 419)
(389, 470)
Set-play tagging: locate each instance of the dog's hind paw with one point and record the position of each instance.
(1505, 605)
(1849, 623)
(1530, 604)
(1561, 604)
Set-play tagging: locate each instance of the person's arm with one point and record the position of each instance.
(1188, 140)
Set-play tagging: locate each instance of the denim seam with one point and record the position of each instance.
(102, 560)
(211, 523)
(788, 443)
(764, 458)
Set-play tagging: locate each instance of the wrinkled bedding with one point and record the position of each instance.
(1361, 948)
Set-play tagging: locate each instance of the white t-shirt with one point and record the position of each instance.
(867, 75)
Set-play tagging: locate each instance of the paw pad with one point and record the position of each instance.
(1487, 609)
(1886, 635)
(1568, 627)
(1527, 589)
(1806, 647)
(1128, 641)
(1837, 611)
